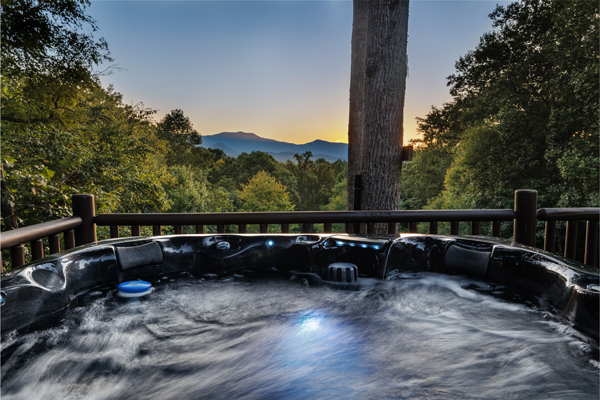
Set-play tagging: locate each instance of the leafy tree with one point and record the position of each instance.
(191, 192)
(105, 151)
(423, 177)
(48, 37)
(524, 110)
(264, 193)
(232, 173)
(339, 198)
(47, 58)
(184, 141)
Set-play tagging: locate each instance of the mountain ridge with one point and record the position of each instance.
(235, 143)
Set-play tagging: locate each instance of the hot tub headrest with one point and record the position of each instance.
(137, 256)
(470, 260)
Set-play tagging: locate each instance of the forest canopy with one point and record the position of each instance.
(523, 115)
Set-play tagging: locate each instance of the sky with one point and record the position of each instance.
(279, 69)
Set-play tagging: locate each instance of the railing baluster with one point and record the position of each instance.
(327, 227)
(114, 231)
(591, 243)
(305, 227)
(178, 229)
(412, 227)
(433, 228)
(264, 228)
(475, 227)
(242, 228)
(496, 231)
(285, 228)
(156, 230)
(370, 227)
(199, 228)
(135, 230)
(69, 239)
(571, 240)
(454, 228)
(17, 256)
(391, 228)
(550, 236)
(37, 249)
(220, 228)
(54, 242)
(349, 227)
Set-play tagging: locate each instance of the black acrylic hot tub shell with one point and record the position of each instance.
(48, 286)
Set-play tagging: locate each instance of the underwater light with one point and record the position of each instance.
(270, 243)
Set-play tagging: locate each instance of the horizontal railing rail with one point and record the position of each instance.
(34, 234)
(351, 219)
(82, 227)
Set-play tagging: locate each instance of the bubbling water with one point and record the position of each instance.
(430, 336)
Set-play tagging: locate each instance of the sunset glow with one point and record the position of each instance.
(278, 69)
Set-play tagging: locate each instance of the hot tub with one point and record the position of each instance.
(301, 317)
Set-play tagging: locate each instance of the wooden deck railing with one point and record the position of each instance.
(82, 227)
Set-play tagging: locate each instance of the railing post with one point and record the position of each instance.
(525, 217)
(84, 207)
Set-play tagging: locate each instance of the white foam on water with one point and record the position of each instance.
(423, 336)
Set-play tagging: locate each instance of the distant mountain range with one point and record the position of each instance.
(236, 143)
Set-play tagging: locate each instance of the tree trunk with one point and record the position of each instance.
(379, 93)
(356, 125)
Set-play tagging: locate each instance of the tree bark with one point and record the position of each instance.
(356, 124)
(376, 127)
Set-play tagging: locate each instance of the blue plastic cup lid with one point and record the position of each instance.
(134, 288)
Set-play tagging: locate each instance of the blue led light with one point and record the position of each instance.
(270, 243)
(339, 243)
(352, 244)
(376, 247)
(364, 246)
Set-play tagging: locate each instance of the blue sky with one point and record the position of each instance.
(280, 69)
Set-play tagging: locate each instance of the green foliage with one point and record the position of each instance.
(314, 180)
(183, 141)
(192, 193)
(264, 193)
(523, 115)
(104, 150)
(339, 194)
(49, 37)
(423, 177)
